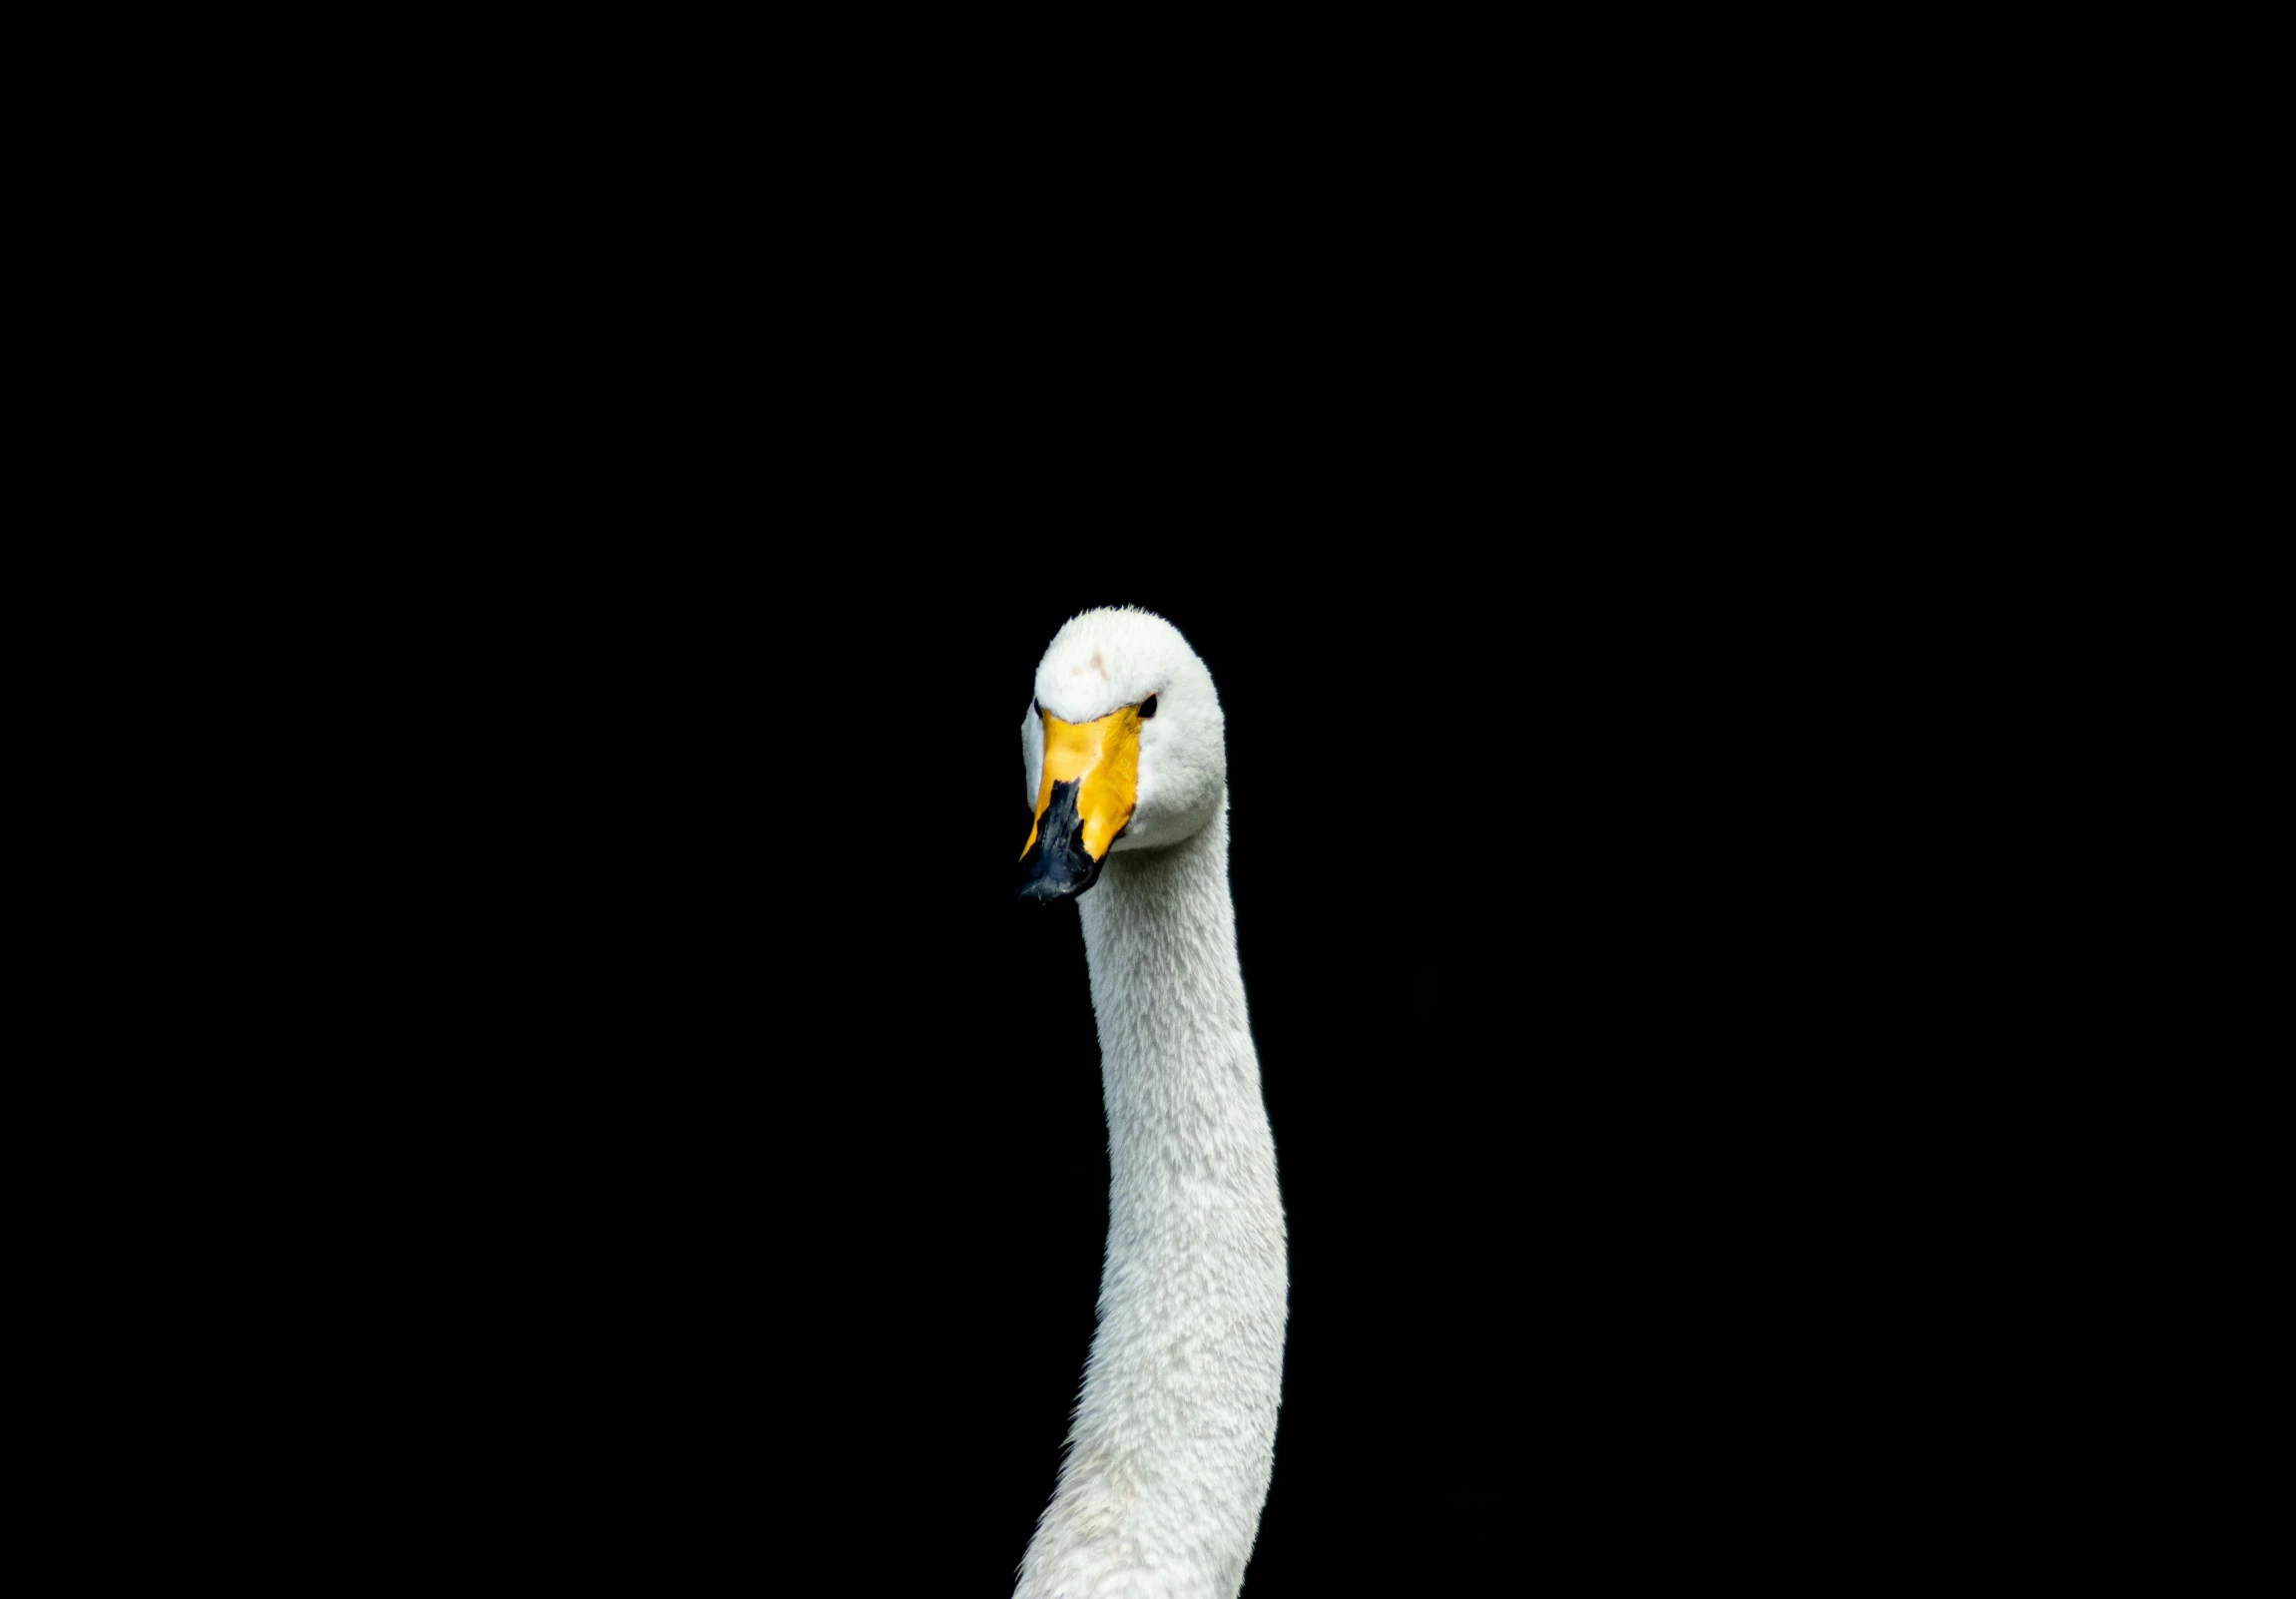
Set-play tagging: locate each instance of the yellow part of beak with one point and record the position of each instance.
(1103, 758)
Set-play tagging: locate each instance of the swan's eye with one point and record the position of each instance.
(1147, 708)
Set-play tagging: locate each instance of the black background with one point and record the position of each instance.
(651, 1144)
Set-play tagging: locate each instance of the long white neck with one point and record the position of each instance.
(1174, 1440)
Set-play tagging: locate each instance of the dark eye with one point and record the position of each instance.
(1147, 708)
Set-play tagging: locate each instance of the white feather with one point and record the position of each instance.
(1169, 1460)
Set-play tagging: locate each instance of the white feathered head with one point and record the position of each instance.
(1124, 745)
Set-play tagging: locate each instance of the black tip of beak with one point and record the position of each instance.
(1057, 866)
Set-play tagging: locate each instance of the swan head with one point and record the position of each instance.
(1124, 745)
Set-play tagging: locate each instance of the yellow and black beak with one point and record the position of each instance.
(1091, 782)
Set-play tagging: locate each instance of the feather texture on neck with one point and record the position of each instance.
(1173, 1443)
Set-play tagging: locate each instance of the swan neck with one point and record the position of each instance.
(1173, 1445)
(1166, 987)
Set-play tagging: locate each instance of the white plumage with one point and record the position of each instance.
(1169, 1460)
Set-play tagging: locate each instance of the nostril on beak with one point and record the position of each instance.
(1057, 866)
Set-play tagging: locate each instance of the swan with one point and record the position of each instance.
(1173, 1440)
